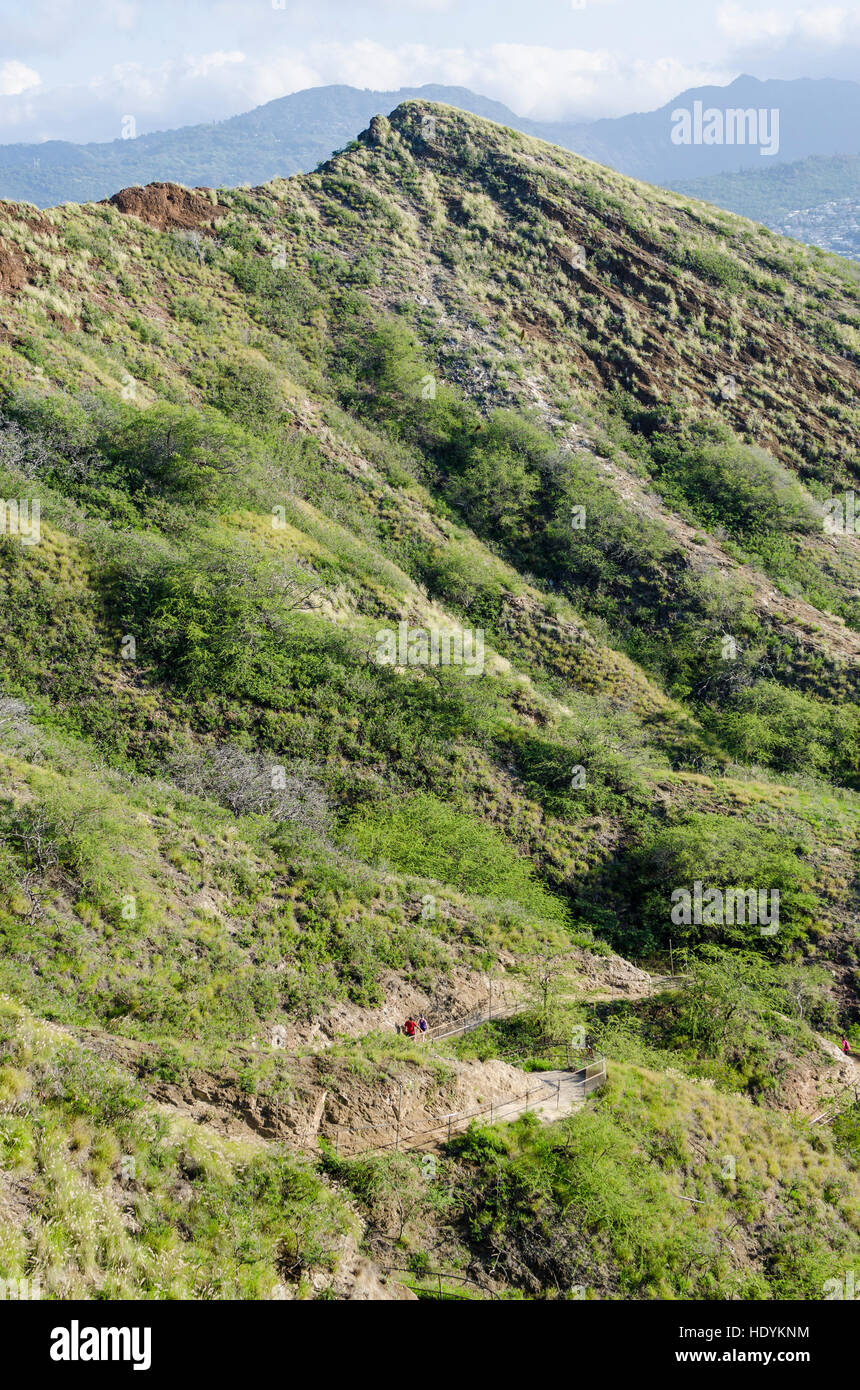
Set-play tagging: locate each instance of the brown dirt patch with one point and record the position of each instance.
(166, 205)
(814, 1085)
(16, 1200)
(43, 225)
(61, 321)
(13, 269)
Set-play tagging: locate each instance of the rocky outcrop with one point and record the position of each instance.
(166, 205)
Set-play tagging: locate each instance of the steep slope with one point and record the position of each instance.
(455, 385)
(816, 200)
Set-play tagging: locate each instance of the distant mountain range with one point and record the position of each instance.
(813, 117)
(288, 136)
(770, 195)
(813, 138)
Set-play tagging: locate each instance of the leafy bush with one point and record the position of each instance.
(249, 393)
(792, 732)
(734, 485)
(611, 781)
(106, 452)
(736, 1017)
(720, 852)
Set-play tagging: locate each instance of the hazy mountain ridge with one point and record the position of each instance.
(293, 134)
(815, 200)
(286, 136)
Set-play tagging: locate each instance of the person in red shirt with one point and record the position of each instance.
(409, 1027)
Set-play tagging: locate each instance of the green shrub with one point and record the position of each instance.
(733, 485)
(720, 852)
(792, 732)
(249, 393)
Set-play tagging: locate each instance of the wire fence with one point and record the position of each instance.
(464, 1023)
(679, 981)
(564, 1052)
(575, 1087)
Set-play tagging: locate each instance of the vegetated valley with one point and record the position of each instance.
(456, 381)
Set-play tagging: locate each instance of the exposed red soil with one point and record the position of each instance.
(42, 225)
(13, 269)
(165, 205)
(61, 321)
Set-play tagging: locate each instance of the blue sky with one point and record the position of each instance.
(77, 71)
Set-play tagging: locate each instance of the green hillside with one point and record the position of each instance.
(768, 195)
(434, 573)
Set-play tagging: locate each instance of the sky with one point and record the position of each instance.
(72, 71)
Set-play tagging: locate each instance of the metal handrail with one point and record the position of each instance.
(465, 1022)
(584, 1079)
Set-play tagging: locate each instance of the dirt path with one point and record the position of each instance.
(565, 1096)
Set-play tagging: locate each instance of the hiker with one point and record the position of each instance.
(409, 1027)
(846, 1046)
(422, 1024)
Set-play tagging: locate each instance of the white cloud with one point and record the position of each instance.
(815, 41)
(16, 78)
(210, 62)
(534, 80)
(540, 82)
(554, 84)
(301, 7)
(828, 24)
(277, 77)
